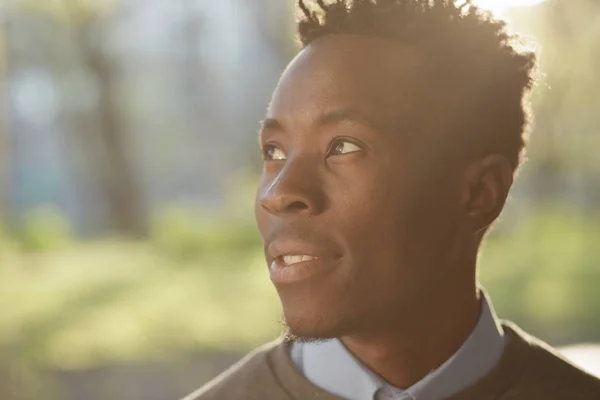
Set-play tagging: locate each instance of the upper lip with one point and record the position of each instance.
(280, 249)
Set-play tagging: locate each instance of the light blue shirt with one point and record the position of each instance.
(330, 366)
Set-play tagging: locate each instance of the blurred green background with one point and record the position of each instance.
(130, 267)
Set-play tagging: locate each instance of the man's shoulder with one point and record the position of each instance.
(544, 370)
(253, 373)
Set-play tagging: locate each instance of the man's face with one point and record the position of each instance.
(353, 179)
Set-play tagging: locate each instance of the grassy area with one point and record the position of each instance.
(108, 301)
(86, 304)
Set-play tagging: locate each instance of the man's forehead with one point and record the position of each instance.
(372, 75)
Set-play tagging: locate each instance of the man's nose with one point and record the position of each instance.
(296, 189)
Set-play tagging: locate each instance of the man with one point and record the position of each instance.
(390, 146)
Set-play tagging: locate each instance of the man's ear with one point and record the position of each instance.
(487, 183)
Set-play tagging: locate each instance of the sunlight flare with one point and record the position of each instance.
(500, 7)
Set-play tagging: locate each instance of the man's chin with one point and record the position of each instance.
(313, 330)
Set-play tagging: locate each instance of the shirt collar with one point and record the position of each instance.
(330, 366)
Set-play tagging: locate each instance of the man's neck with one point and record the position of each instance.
(408, 352)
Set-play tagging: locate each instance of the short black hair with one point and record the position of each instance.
(486, 68)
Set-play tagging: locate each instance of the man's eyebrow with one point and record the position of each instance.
(350, 115)
(327, 118)
(266, 125)
(270, 124)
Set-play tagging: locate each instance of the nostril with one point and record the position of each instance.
(283, 204)
(297, 206)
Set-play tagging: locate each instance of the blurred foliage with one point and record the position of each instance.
(185, 233)
(45, 228)
(544, 274)
(6, 242)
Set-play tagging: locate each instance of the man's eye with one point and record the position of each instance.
(340, 147)
(272, 153)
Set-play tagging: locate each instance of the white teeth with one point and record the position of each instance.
(290, 260)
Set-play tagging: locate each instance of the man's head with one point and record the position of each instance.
(390, 146)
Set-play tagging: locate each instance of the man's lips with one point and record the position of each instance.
(295, 261)
(289, 273)
(293, 252)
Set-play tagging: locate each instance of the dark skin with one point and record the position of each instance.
(355, 170)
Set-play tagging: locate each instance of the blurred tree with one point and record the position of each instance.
(119, 177)
(4, 143)
(87, 21)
